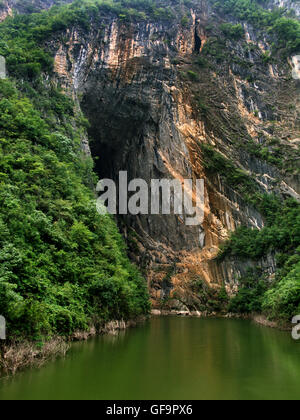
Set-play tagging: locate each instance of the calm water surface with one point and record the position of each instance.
(171, 358)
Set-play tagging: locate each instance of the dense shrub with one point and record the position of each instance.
(215, 48)
(281, 236)
(19, 36)
(62, 266)
(250, 295)
(287, 30)
(233, 31)
(282, 232)
(284, 297)
(208, 298)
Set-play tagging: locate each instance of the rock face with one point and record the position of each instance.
(286, 4)
(153, 94)
(5, 10)
(8, 7)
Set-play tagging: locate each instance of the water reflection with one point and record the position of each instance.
(171, 358)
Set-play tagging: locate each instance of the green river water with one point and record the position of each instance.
(170, 358)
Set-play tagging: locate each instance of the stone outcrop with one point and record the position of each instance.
(286, 4)
(8, 7)
(153, 97)
(134, 87)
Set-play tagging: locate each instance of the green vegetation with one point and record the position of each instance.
(62, 266)
(233, 31)
(215, 163)
(201, 62)
(215, 48)
(267, 58)
(202, 107)
(185, 21)
(274, 155)
(192, 75)
(209, 299)
(284, 298)
(20, 36)
(272, 151)
(280, 237)
(280, 302)
(250, 295)
(287, 30)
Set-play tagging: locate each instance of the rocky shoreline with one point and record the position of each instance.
(257, 318)
(16, 356)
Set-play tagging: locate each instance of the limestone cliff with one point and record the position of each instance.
(11, 7)
(156, 90)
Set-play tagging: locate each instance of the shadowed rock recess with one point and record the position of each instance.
(154, 92)
(168, 96)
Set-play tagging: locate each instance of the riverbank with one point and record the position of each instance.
(262, 320)
(16, 355)
(257, 318)
(169, 358)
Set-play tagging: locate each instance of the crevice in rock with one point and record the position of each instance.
(197, 43)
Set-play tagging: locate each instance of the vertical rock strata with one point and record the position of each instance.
(153, 98)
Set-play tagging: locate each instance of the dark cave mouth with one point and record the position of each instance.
(116, 127)
(197, 42)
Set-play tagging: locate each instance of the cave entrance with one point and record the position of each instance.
(197, 43)
(116, 127)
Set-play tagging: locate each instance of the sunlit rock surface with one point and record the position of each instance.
(132, 82)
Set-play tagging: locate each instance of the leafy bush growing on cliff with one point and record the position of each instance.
(192, 76)
(282, 231)
(185, 21)
(215, 48)
(62, 266)
(233, 31)
(209, 299)
(281, 236)
(287, 30)
(284, 297)
(21, 36)
(215, 163)
(249, 298)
